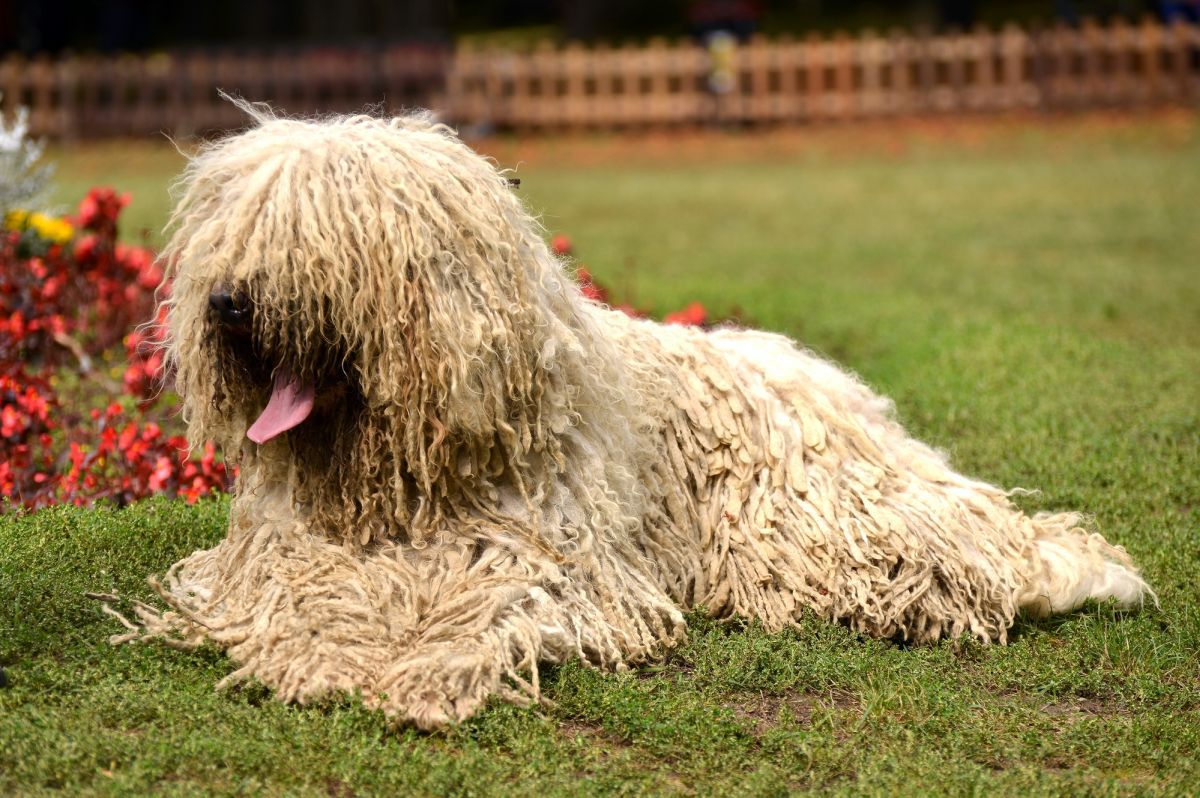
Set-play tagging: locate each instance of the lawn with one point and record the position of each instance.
(1029, 294)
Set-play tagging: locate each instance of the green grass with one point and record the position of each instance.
(1033, 306)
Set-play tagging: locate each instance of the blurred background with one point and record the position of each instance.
(140, 25)
(135, 67)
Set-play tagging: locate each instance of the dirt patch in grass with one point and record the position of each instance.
(336, 788)
(593, 732)
(762, 712)
(1067, 707)
(1075, 707)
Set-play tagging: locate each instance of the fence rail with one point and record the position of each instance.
(659, 84)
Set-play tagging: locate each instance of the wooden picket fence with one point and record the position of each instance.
(658, 84)
(177, 92)
(836, 78)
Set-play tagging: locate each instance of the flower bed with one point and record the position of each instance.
(71, 294)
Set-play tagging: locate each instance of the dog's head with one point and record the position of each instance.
(363, 307)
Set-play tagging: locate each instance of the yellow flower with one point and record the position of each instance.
(57, 231)
(48, 228)
(15, 220)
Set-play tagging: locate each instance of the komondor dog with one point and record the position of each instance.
(453, 466)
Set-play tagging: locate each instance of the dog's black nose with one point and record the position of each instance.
(232, 308)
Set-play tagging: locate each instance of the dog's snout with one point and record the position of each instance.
(231, 307)
(221, 300)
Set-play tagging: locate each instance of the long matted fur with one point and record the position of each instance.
(498, 472)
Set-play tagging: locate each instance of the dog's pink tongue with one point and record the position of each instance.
(290, 404)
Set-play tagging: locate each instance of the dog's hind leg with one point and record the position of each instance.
(1068, 566)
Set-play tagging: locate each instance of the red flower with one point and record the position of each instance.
(85, 248)
(561, 245)
(100, 208)
(53, 287)
(10, 421)
(163, 470)
(589, 287)
(693, 315)
(16, 325)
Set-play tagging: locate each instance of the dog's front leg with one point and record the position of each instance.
(442, 683)
(483, 629)
(482, 633)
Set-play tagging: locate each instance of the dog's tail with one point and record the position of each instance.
(1069, 566)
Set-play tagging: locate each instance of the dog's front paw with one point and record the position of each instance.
(429, 709)
(437, 686)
